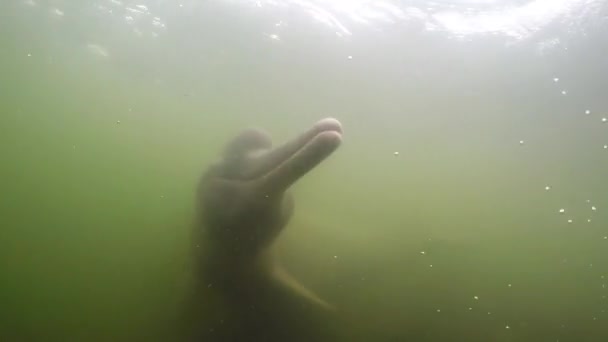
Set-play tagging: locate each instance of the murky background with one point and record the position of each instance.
(467, 203)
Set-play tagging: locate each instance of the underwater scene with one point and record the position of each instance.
(304, 170)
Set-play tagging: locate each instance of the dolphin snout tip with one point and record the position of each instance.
(329, 124)
(332, 139)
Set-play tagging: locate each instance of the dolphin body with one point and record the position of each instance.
(241, 293)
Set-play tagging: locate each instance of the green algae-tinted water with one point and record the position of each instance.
(467, 133)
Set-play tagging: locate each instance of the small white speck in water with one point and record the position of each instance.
(396, 153)
(335, 257)
(569, 220)
(509, 285)
(438, 310)
(593, 208)
(555, 79)
(564, 92)
(29, 55)
(117, 121)
(587, 112)
(507, 327)
(423, 252)
(605, 146)
(561, 211)
(470, 309)
(604, 119)
(605, 237)
(476, 297)
(588, 220)
(430, 265)
(547, 188)
(521, 142)
(350, 57)
(97, 50)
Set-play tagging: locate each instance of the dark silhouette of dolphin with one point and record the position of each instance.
(242, 206)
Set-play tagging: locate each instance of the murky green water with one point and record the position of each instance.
(439, 219)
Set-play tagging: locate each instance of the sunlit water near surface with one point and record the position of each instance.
(468, 201)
